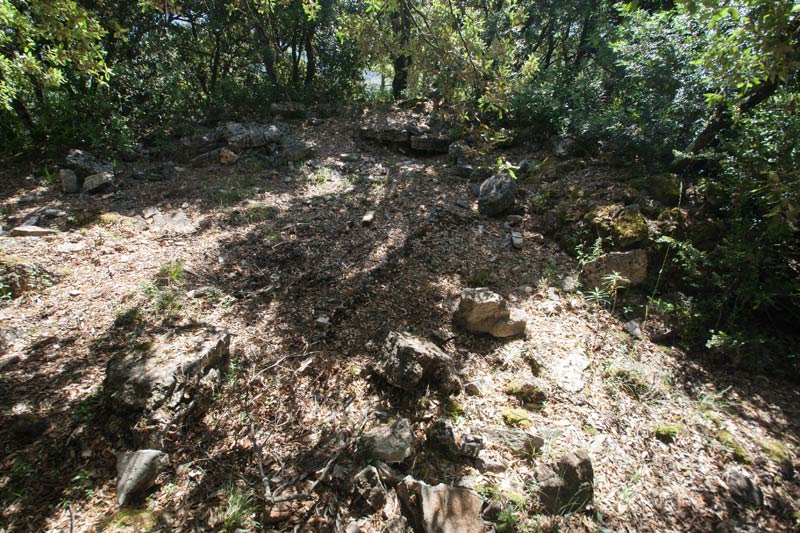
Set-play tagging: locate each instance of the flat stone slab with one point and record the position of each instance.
(568, 371)
(31, 231)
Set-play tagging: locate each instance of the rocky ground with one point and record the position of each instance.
(348, 324)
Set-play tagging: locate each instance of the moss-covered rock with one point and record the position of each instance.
(664, 188)
(740, 455)
(775, 450)
(625, 225)
(519, 418)
(637, 379)
(531, 392)
(668, 433)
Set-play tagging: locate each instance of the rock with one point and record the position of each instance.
(471, 446)
(565, 147)
(631, 265)
(323, 322)
(86, 164)
(569, 284)
(7, 361)
(288, 109)
(532, 392)
(486, 464)
(98, 182)
(54, 213)
(440, 437)
(222, 156)
(69, 181)
(31, 231)
(567, 486)
(409, 362)
(520, 418)
(298, 151)
(397, 524)
(568, 371)
(27, 427)
(367, 484)
(516, 239)
(519, 442)
(137, 471)
(160, 381)
(463, 204)
(493, 511)
(743, 489)
(368, 218)
(430, 144)
(474, 388)
(497, 195)
(150, 212)
(18, 277)
(458, 153)
(390, 443)
(253, 135)
(176, 222)
(441, 509)
(199, 143)
(627, 226)
(483, 311)
(514, 220)
(634, 329)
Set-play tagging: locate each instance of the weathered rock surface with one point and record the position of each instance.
(390, 443)
(31, 231)
(7, 361)
(367, 484)
(160, 381)
(98, 182)
(431, 144)
(496, 195)
(532, 392)
(634, 329)
(86, 164)
(177, 222)
(567, 486)
(517, 441)
(568, 371)
(18, 277)
(409, 362)
(483, 311)
(441, 438)
(288, 109)
(137, 471)
(631, 265)
(69, 181)
(743, 489)
(298, 151)
(253, 135)
(441, 508)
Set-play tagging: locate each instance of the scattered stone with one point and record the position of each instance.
(27, 427)
(253, 135)
(569, 284)
(86, 164)
(514, 220)
(137, 471)
(516, 239)
(150, 212)
(667, 433)
(98, 182)
(474, 388)
(390, 443)
(568, 371)
(368, 218)
(367, 484)
(743, 489)
(54, 213)
(408, 362)
(298, 151)
(323, 322)
(441, 509)
(634, 329)
(493, 511)
(631, 265)
(440, 437)
(532, 392)
(486, 464)
(31, 231)
(496, 195)
(69, 181)
(199, 143)
(177, 222)
(463, 204)
(483, 311)
(7, 361)
(471, 446)
(517, 417)
(567, 486)
(160, 380)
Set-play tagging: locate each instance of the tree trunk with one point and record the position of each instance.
(311, 56)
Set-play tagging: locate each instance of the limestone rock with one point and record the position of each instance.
(531, 392)
(440, 437)
(567, 486)
(441, 508)
(632, 265)
(86, 164)
(408, 362)
(568, 371)
(496, 195)
(137, 471)
(177, 222)
(69, 181)
(743, 489)
(634, 329)
(367, 484)
(98, 182)
(31, 231)
(519, 442)
(390, 443)
(253, 135)
(298, 151)
(483, 311)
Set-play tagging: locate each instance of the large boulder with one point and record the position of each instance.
(98, 182)
(483, 311)
(567, 486)
(86, 164)
(137, 471)
(441, 508)
(496, 195)
(409, 362)
(631, 265)
(159, 381)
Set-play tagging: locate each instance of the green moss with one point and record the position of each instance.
(665, 188)
(727, 439)
(517, 417)
(625, 226)
(108, 219)
(454, 409)
(130, 520)
(668, 433)
(775, 450)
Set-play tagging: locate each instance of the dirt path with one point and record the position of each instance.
(274, 250)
